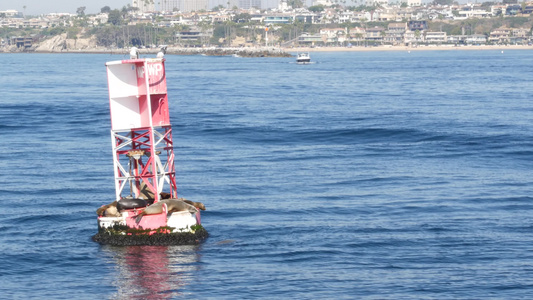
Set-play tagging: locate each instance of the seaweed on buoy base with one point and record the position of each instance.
(125, 237)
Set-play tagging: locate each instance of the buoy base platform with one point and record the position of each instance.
(119, 235)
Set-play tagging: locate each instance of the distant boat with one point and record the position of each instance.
(303, 58)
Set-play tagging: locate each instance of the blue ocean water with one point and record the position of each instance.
(365, 175)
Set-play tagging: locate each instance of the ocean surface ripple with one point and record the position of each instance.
(365, 175)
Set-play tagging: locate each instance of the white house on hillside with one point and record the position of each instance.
(326, 3)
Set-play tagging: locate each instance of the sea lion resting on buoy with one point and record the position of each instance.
(109, 210)
(198, 205)
(173, 205)
(114, 208)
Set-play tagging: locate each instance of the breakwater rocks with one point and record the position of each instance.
(242, 52)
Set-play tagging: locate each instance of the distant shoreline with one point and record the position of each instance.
(406, 48)
(278, 52)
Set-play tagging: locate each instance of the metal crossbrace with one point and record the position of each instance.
(163, 172)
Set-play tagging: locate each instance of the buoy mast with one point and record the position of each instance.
(141, 133)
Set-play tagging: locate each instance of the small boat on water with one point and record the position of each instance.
(303, 58)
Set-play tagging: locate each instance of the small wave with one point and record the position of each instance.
(265, 134)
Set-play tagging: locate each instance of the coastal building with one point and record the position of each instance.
(375, 33)
(220, 18)
(528, 9)
(329, 16)
(349, 16)
(192, 5)
(476, 39)
(473, 39)
(307, 18)
(36, 23)
(168, 5)
(387, 14)
(395, 33)
(98, 19)
(182, 5)
(346, 16)
(457, 39)
(397, 27)
(325, 3)
(22, 41)
(377, 2)
(11, 13)
(473, 13)
(496, 10)
(357, 35)
(410, 37)
(278, 19)
(248, 4)
(257, 18)
(435, 37)
(417, 25)
(283, 6)
(519, 36)
(194, 35)
(333, 35)
(144, 6)
(519, 32)
(500, 35)
(513, 10)
(306, 39)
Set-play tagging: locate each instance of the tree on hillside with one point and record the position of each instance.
(488, 4)
(80, 11)
(442, 2)
(295, 3)
(218, 7)
(242, 18)
(124, 12)
(115, 17)
(105, 9)
(316, 8)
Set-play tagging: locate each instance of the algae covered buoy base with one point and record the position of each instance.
(125, 236)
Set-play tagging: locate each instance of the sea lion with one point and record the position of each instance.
(146, 194)
(114, 208)
(198, 205)
(165, 195)
(109, 210)
(173, 205)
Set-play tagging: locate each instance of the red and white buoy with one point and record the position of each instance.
(143, 149)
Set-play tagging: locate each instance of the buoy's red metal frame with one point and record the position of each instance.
(139, 107)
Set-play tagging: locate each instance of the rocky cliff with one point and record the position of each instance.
(61, 43)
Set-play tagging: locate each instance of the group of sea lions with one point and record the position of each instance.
(173, 205)
(146, 196)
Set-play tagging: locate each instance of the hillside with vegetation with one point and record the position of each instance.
(124, 28)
